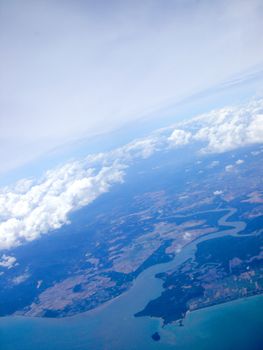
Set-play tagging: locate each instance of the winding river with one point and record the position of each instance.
(113, 326)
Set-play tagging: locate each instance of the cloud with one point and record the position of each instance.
(32, 208)
(217, 193)
(214, 164)
(20, 279)
(229, 168)
(256, 153)
(7, 261)
(255, 129)
(45, 205)
(239, 161)
(74, 69)
(179, 138)
(143, 148)
(232, 127)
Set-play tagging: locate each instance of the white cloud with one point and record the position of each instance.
(229, 128)
(46, 205)
(32, 208)
(179, 137)
(229, 168)
(217, 193)
(256, 153)
(114, 63)
(8, 261)
(143, 148)
(187, 235)
(21, 279)
(255, 129)
(239, 161)
(214, 163)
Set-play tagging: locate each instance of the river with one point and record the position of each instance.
(234, 325)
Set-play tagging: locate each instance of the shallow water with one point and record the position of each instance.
(235, 325)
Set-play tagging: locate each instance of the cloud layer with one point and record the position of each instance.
(229, 128)
(27, 212)
(73, 69)
(32, 208)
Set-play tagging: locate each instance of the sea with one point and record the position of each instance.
(235, 325)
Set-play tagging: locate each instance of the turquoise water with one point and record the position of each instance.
(235, 325)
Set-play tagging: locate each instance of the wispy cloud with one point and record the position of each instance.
(71, 69)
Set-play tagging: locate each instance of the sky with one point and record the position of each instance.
(74, 69)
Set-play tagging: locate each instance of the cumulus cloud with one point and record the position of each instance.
(29, 209)
(255, 128)
(179, 137)
(8, 261)
(32, 208)
(143, 148)
(45, 205)
(229, 128)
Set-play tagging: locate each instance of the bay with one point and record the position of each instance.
(233, 325)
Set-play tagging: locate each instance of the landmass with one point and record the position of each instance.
(149, 220)
(156, 336)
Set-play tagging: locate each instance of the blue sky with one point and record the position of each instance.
(74, 69)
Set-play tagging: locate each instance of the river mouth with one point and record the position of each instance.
(113, 325)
